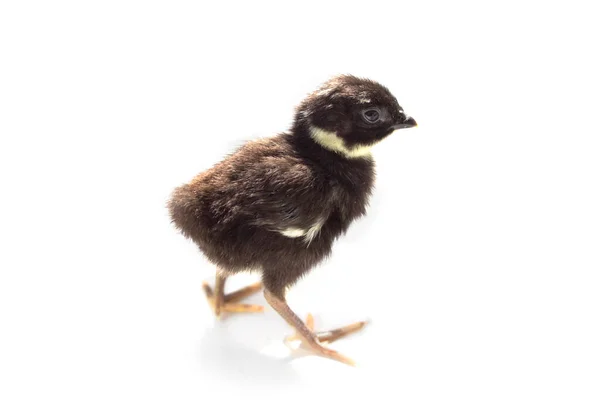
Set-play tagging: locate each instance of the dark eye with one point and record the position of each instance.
(371, 115)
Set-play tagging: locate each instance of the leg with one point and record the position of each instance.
(219, 288)
(305, 333)
(220, 302)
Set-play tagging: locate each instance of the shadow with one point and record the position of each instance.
(250, 348)
(221, 349)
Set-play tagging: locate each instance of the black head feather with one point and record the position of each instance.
(361, 112)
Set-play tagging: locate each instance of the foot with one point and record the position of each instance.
(230, 302)
(314, 343)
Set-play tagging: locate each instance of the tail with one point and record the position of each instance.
(184, 208)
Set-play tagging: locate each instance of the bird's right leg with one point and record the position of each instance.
(219, 301)
(305, 331)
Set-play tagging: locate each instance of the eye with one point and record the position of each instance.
(371, 115)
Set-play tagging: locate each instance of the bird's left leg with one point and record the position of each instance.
(219, 301)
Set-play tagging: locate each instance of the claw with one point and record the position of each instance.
(230, 301)
(325, 337)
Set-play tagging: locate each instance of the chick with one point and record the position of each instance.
(276, 205)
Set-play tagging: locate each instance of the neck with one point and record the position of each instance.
(351, 172)
(330, 142)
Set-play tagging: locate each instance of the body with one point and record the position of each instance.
(239, 230)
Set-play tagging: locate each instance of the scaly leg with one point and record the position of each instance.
(219, 301)
(305, 333)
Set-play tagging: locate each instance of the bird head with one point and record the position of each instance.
(349, 115)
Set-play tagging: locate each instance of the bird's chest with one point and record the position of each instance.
(345, 198)
(331, 216)
(348, 201)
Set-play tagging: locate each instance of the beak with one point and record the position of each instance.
(406, 122)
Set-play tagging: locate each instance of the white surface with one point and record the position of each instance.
(478, 264)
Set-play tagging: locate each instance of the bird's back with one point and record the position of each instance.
(258, 172)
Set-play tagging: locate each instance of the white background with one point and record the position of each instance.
(478, 264)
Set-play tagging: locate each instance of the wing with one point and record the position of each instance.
(288, 197)
(265, 184)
